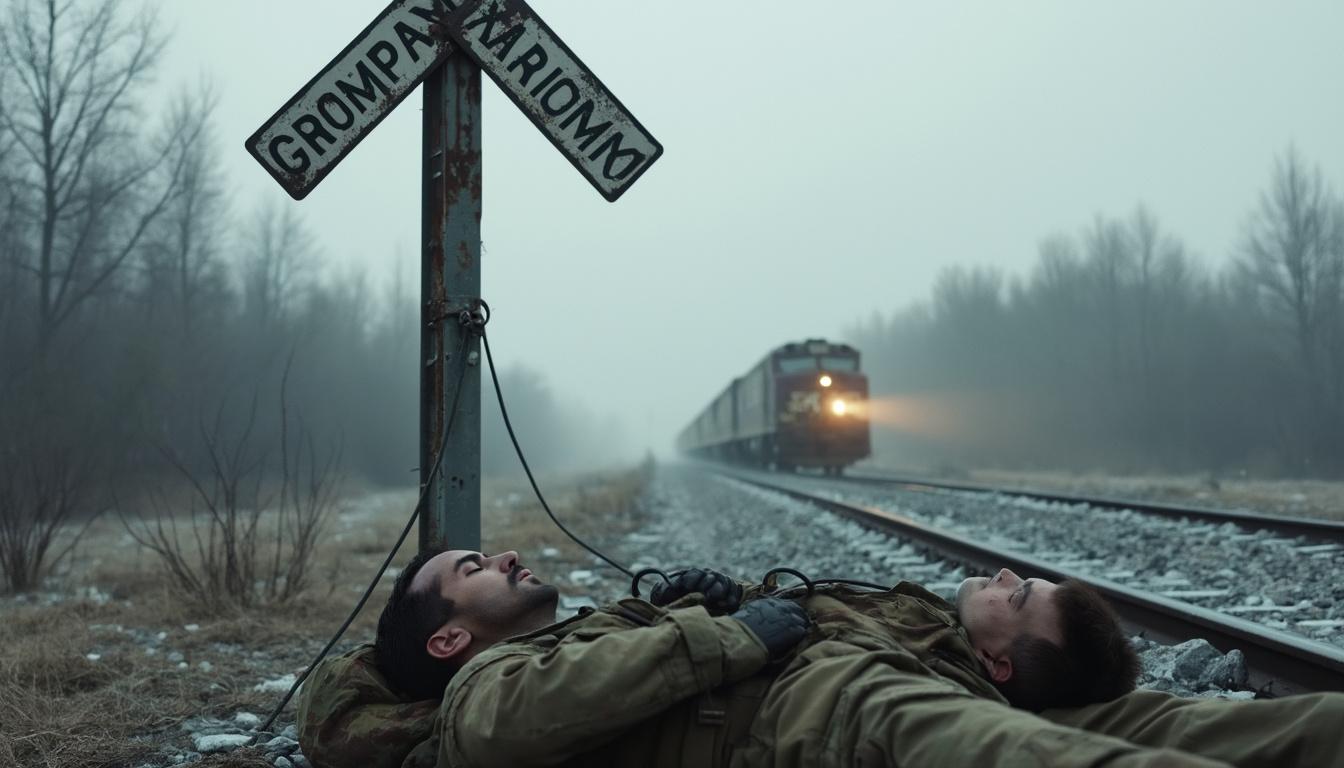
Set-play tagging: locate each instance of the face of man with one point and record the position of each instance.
(494, 597)
(997, 610)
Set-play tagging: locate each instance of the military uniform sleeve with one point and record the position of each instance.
(520, 705)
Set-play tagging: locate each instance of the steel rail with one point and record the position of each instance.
(1279, 663)
(1287, 525)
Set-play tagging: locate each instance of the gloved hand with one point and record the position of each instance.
(779, 624)
(722, 594)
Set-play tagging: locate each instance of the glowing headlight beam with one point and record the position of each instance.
(824, 381)
(838, 407)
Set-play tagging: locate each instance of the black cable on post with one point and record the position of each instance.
(499, 394)
(415, 514)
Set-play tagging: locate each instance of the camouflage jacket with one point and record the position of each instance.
(633, 684)
(349, 716)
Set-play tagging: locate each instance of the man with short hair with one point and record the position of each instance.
(470, 668)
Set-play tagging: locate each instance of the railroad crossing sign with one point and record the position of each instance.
(306, 138)
(409, 43)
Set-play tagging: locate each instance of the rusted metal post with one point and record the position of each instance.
(450, 285)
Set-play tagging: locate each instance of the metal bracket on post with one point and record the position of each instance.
(465, 309)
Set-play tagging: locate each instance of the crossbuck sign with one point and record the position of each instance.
(324, 121)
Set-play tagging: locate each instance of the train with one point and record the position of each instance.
(803, 406)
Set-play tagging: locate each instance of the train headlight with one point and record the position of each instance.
(838, 407)
(824, 381)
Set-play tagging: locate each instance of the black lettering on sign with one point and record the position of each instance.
(385, 62)
(506, 40)
(531, 61)
(367, 82)
(633, 157)
(327, 103)
(548, 102)
(428, 14)
(310, 130)
(486, 21)
(585, 133)
(409, 36)
(299, 157)
(542, 85)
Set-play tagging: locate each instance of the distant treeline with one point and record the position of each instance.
(1120, 352)
(148, 321)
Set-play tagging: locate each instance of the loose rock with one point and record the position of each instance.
(220, 742)
(281, 745)
(1192, 663)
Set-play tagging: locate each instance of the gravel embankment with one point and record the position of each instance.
(706, 520)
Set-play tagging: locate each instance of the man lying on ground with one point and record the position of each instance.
(470, 668)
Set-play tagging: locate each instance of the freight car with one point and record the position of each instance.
(804, 405)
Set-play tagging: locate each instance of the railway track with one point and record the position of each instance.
(1327, 530)
(1279, 662)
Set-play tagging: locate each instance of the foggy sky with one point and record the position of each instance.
(820, 163)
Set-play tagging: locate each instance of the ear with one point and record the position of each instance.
(448, 643)
(999, 667)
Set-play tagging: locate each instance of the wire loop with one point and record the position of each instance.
(639, 576)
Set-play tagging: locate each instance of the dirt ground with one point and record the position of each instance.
(108, 665)
(1303, 498)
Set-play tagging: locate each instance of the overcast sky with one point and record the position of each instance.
(822, 161)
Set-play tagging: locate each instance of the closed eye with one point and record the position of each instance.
(471, 558)
(1022, 594)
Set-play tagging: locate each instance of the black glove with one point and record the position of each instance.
(722, 594)
(779, 624)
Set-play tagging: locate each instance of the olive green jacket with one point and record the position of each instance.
(637, 685)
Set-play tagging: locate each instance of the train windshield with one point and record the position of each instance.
(797, 364)
(839, 364)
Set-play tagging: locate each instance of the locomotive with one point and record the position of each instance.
(804, 405)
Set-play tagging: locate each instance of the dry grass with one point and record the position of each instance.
(59, 707)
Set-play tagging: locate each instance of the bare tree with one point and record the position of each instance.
(42, 490)
(1111, 264)
(182, 248)
(277, 258)
(1293, 252)
(11, 245)
(238, 544)
(1160, 272)
(1146, 241)
(1294, 255)
(223, 519)
(77, 68)
(308, 488)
